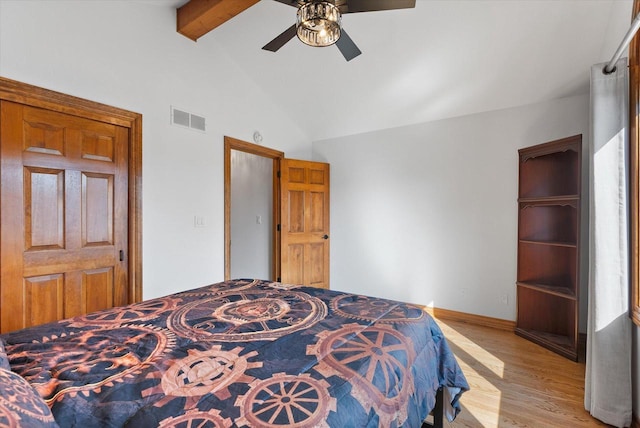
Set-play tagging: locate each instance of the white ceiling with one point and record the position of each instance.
(442, 59)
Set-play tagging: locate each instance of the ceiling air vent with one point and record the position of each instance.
(188, 120)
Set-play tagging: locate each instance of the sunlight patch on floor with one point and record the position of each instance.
(481, 355)
(482, 370)
(484, 395)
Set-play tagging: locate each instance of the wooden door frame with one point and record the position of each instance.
(243, 146)
(22, 93)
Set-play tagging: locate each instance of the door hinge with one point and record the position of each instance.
(278, 227)
(121, 255)
(278, 174)
(279, 279)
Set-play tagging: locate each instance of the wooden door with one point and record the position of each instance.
(63, 213)
(305, 223)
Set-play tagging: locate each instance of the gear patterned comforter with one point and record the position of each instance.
(241, 353)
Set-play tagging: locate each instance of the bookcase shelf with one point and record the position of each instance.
(555, 290)
(548, 244)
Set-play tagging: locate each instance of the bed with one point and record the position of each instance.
(237, 353)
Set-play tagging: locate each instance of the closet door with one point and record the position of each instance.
(64, 215)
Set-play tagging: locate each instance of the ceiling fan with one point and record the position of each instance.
(319, 22)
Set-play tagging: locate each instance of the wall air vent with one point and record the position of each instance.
(188, 120)
(197, 122)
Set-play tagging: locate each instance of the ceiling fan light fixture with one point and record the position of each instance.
(318, 23)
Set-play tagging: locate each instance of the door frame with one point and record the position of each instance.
(276, 156)
(23, 93)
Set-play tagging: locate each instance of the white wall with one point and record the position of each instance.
(251, 216)
(129, 55)
(428, 214)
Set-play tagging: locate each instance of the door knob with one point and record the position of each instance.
(325, 237)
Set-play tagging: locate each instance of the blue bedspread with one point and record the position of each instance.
(241, 353)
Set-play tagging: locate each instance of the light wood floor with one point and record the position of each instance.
(515, 383)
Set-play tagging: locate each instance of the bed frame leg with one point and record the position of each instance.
(437, 412)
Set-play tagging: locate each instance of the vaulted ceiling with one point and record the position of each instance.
(442, 59)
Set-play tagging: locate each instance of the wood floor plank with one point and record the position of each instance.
(515, 383)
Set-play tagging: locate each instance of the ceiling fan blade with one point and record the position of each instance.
(348, 49)
(354, 6)
(293, 3)
(281, 40)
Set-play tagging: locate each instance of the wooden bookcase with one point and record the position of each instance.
(549, 244)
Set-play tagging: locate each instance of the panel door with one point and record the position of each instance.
(305, 223)
(63, 214)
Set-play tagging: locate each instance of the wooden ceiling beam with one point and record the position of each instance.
(197, 17)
